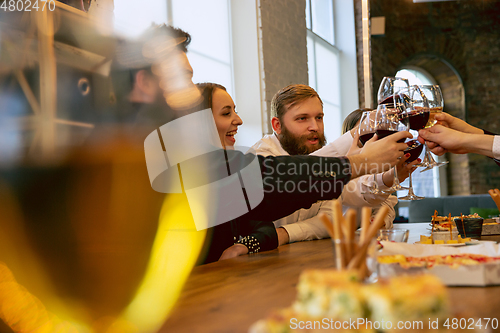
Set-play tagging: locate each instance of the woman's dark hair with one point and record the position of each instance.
(352, 119)
(207, 91)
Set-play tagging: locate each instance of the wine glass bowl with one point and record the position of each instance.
(388, 121)
(435, 99)
(388, 87)
(413, 104)
(366, 127)
(415, 148)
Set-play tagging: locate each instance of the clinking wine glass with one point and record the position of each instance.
(414, 149)
(366, 130)
(436, 103)
(388, 87)
(413, 104)
(390, 121)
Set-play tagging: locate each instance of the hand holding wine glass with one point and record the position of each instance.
(415, 106)
(434, 97)
(457, 124)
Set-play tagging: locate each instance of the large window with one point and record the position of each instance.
(208, 22)
(323, 62)
(332, 59)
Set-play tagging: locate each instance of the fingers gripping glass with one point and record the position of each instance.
(436, 103)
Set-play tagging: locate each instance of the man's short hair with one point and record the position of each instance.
(289, 96)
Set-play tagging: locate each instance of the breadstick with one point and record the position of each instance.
(337, 232)
(350, 222)
(328, 224)
(372, 231)
(495, 195)
(366, 213)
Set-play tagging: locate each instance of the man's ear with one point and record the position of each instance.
(275, 122)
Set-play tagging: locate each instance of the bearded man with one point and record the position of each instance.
(297, 121)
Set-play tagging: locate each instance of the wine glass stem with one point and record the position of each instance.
(428, 154)
(396, 180)
(410, 190)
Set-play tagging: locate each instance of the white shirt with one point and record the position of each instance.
(496, 147)
(303, 224)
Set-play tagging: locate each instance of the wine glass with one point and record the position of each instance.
(388, 87)
(389, 121)
(413, 103)
(436, 104)
(366, 130)
(366, 127)
(414, 149)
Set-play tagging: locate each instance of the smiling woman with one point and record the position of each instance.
(224, 112)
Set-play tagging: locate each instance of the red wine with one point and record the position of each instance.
(415, 149)
(418, 120)
(365, 137)
(383, 133)
(388, 100)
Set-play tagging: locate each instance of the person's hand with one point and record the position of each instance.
(457, 124)
(441, 139)
(379, 155)
(354, 149)
(283, 237)
(405, 169)
(234, 251)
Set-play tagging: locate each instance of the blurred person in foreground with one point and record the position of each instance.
(456, 136)
(297, 122)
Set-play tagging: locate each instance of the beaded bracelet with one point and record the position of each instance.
(250, 242)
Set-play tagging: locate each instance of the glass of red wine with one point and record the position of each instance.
(435, 99)
(388, 87)
(415, 149)
(414, 106)
(366, 130)
(390, 120)
(366, 127)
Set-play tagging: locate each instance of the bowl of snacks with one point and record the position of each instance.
(469, 226)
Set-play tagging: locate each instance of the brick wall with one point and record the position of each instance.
(284, 46)
(463, 36)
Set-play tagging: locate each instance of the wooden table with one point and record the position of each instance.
(230, 295)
